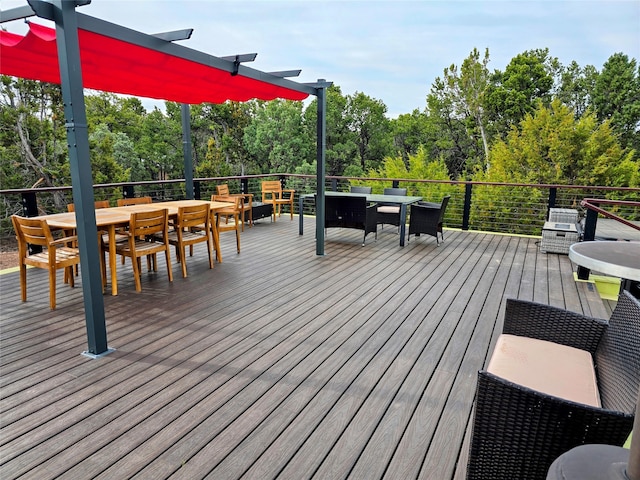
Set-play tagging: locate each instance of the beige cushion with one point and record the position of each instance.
(547, 367)
(388, 209)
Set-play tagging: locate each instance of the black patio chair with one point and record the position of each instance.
(390, 213)
(427, 217)
(518, 431)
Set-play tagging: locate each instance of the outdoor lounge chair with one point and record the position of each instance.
(350, 212)
(426, 217)
(518, 430)
(390, 214)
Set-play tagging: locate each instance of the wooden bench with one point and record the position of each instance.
(556, 380)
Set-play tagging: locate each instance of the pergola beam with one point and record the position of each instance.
(175, 35)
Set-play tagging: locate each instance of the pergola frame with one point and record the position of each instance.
(67, 21)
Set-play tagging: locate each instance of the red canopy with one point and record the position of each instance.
(113, 65)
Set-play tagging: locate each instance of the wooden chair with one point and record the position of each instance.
(272, 192)
(97, 204)
(69, 233)
(191, 227)
(148, 234)
(389, 213)
(58, 254)
(246, 205)
(123, 202)
(226, 213)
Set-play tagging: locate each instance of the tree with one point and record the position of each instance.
(410, 132)
(341, 142)
(552, 146)
(276, 137)
(365, 117)
(616, 98)
(514, 93)
(459, 99)
(32, 136)
(577, 87)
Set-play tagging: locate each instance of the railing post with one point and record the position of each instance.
(395, 184)
(196, 190)
(244, 185)
(127, 191)
(553, 192)
(334, 184)
(30, 209)
(588, 235)
(466, 212)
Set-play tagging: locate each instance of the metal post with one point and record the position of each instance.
(128, 191)
(30, 209)
(466, 213)
(64, 15)
(320, 160)
(553, 193)
(186, 149)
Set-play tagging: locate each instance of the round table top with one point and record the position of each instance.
(619, 259)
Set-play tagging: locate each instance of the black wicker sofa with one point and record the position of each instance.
(519, 431)
(351, 212)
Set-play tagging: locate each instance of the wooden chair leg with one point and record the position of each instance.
(52, 288)
(136, 272)
(183, 263)
(23, 282)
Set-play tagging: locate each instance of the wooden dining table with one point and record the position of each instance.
(110, 219)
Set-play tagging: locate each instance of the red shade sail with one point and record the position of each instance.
(114, 65)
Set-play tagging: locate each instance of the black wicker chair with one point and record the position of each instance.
(390, 213)
(518, 432)
(426, 217)
(350, 212)
(360, 189)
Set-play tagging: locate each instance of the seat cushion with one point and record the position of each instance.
(547, 367)
(388, 209)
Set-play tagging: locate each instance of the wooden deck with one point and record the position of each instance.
(275, 364)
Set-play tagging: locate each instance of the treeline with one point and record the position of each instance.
(537, 121)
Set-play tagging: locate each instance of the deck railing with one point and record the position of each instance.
(495, 207)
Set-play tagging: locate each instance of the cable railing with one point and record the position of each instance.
(509, 208)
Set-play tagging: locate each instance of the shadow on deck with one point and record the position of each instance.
(275, 364)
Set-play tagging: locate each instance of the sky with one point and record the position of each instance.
(390, 50)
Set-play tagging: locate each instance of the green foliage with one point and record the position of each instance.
(552, 146)
(420, 167)
(616, 97)
(276, 138)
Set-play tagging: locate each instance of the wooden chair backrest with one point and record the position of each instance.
(33, 231)
(148, 223)
(98, 204)
(123, 202)
(236, 200)
(223, 189)
(271, 186)
(193, 216)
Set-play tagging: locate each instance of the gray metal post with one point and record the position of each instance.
(64, 15)
(186, 149)
(320, 160)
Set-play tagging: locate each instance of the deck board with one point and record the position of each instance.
(277, 363)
